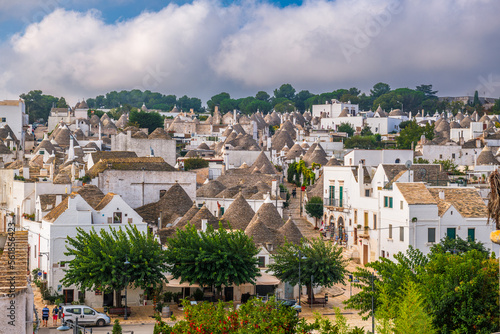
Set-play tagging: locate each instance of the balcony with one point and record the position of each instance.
(333, 202)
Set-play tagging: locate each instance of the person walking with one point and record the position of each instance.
(61, 314)
(45, 316)
(55, 311)
(294, 193)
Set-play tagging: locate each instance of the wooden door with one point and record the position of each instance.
(365, 254)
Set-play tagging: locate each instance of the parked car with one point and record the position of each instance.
(86, 315)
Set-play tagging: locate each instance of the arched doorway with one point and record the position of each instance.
(331, 226)
(341, 230)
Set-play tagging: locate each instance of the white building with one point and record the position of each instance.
(333, 109)
(87, 209)
(13, 113)
(377, 157)
(379, 211)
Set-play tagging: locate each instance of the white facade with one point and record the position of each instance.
(460, 156)
(13, 113)
(379, 221)
(48, 239)
(383, 125)
(332, 123)
(139, 188)
(376, 157)
(333, 108)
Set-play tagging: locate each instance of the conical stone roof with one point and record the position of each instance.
(486, 157)
(239, 214)
(295, 152)
(269, 214)
(291, 232)
(263, 164)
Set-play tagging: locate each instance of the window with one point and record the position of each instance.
(4, 119)
(374, 221)
(440, 156)
(74, 310)
(262, 261)
(331, 195)
(162, 192)
(88, 311)
(62, 264)
(387, 202)
(401, 205)
(431, 235)
(390, 231)
(401, 233)
(130, 220)
(471, 234)
(117, 218)
(451, 232)
(383, 253)
(355, 217)
(35, 251)
(453, 155)
(367, 192)
(397, 161)
(366, 220)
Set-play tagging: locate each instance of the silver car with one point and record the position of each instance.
(85, 315)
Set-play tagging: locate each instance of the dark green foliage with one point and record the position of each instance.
(366, 131)
(212, 258)
(216, 100)
(99, 259)
(144, 119)
(368, 142)
(420, 160)
(496, 107)
(347, 128)
(411, 100)
(38, 105)
(314, 208)
(380, 89)
(476, 102)
(195, 163)
(301, 98)
(117, 328)
(323, 260)
(427, 90)
(459, 291)
(448, 166)
(458, 245)
(412, 133)
(293, 175)
(285, 91)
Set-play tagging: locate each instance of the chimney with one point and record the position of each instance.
(204, 224)
(361, 178)
(26, 172)
(58, 199)
(441, 195)
(274, 187)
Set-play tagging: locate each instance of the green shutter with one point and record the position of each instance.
(331, 195)
(471, 234)
(451, 232)
(390, 202)
(386, 203)
(341, 195)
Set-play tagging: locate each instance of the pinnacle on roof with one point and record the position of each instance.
(239, 214)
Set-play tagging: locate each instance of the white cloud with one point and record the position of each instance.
(202, 48)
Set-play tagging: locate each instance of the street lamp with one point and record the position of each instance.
(126, 263)
(402, 106)
(300, 258)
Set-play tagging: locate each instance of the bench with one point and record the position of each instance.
(318, 301)
(119, 311)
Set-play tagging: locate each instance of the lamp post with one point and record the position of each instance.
(402, 106)
(300, 258)
(126, 263)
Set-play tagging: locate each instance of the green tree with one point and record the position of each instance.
(61, 103)
(314, 208)
(406, 267)
(408, 99)
(117, 328)
(412, 316)
(150, 120)
(212, 258)
(347, 128)
(427, 90)
(98, 260)
(368, 142)
(366, 131)
(38, 105)
(323, 263)
(496, 107)
(449, 166)
(380, 89)
(263, 96)
(195, 163)
(411, 134)
(301, 98)
(462, 292)
(216, 100)
(476, 103)
(286, 91)
(458, 245)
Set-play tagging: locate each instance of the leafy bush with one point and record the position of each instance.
(195, 163)
(117, 328)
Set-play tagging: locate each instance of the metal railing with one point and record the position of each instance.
(335, 202)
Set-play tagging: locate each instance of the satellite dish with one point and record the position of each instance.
(408, 164)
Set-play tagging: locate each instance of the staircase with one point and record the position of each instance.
(14, 263)
(293, 210)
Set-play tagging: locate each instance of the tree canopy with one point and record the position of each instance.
(212, 258)
(411, 134)
(99, 259)
(347, 128)
(323, 263)
(314, 208)
(150, 120)
(195, 163)
(459, 292)
(38, 105)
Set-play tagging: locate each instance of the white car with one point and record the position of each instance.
(86, 315)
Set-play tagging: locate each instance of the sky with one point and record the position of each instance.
(80, 49)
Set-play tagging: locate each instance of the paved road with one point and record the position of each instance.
(137, 329)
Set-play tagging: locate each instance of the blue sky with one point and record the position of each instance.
(80, 49)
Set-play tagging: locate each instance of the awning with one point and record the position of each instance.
(265, 279)
(176, 283)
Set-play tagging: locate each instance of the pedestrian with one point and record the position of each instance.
(55, 311)
(294, 193)
(45, 316)
(60, 314)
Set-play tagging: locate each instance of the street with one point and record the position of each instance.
(135, 329)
